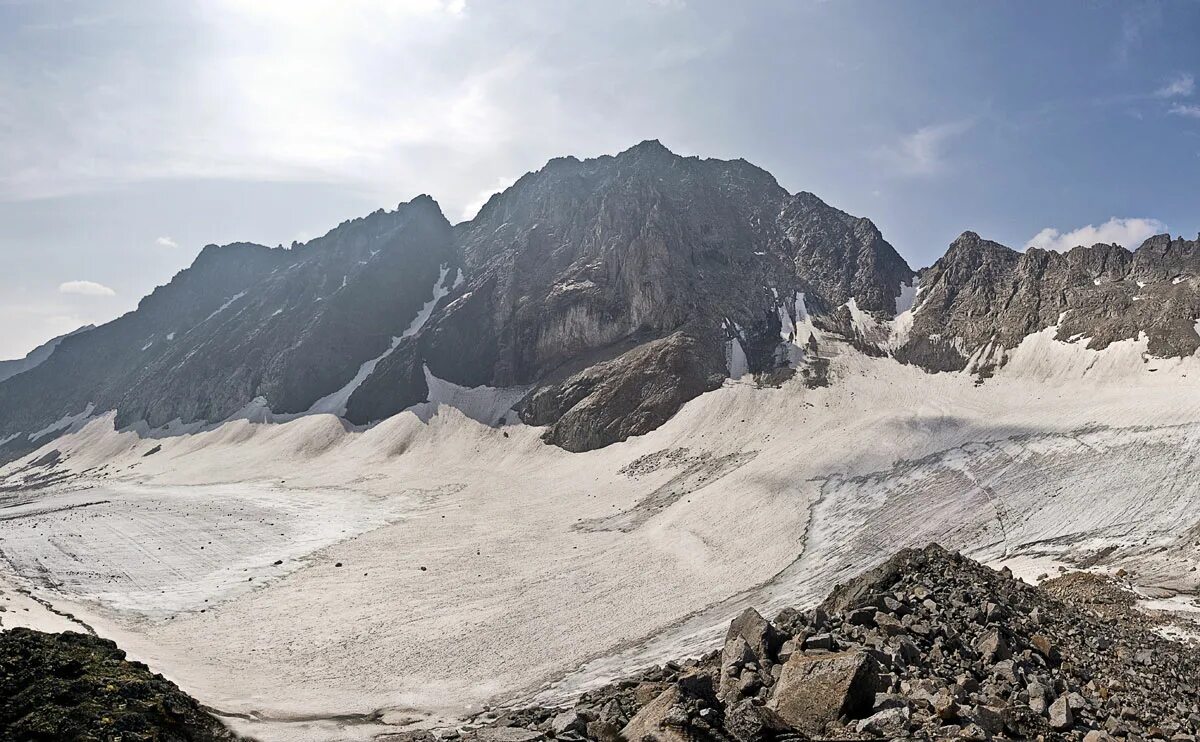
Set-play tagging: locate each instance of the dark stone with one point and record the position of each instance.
(74, 687)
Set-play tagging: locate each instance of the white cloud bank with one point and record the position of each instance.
(85, 288)
(166, 242)
(1180, 109)
(1129, 233)
(1178, 86)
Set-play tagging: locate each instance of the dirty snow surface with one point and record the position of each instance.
(313, 581)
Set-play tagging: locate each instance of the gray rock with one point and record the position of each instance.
(504, 734)
(987, 718)
(815, 690)
(981, 293)
(611, 287)
(655, 720)
(1060, 714)
(763, 639)
(992, 646)
(821, 641)
(888, 722)
(567, 721)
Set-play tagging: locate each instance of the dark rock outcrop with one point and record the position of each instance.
(77, 687)
(816, 690)
(843, 257)
(243, 322)
(588, 279)
(984, 298)
(629, 395)
(615, 288)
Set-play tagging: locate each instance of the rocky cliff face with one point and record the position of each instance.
(588, 278)
(983, 298)
(243, 322)
(609, 291)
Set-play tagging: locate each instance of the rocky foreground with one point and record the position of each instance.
(929, 645)
(68, 687)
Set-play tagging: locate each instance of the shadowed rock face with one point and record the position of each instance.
(983, 293)
(629, 395)
(244, 321)
(843, 257)
(615, 287)
(613, 284)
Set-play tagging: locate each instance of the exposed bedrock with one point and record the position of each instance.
(982, 293)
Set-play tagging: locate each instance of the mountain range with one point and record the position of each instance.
(597, 296)
(411, 470)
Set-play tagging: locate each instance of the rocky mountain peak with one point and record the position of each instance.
(982, 299)
(647, 148)
(842, 256)
(971, 249)
(577, 281)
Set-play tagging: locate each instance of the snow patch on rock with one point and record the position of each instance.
(65, 422)
(491, 406)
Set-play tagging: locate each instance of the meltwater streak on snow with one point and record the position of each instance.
(335, 402)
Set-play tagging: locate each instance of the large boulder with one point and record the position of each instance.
(816, 689)
(751, 639)
(658, 720)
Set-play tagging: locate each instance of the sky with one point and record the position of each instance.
(132, 134)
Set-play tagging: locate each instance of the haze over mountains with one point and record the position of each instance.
(599, 295)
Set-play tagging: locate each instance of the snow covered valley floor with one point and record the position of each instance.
(314, 582)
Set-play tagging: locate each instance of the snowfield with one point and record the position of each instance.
(312, 580)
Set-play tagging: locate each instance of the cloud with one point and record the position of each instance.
(1181, 109)
(1136, 21)
(166, 242)
(85, 288)
(1129, 233)
(294, 90)
(474, 205)
(923, 152)
(1179, 86)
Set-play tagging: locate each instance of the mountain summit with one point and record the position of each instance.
(576, 285)
(593, 297)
